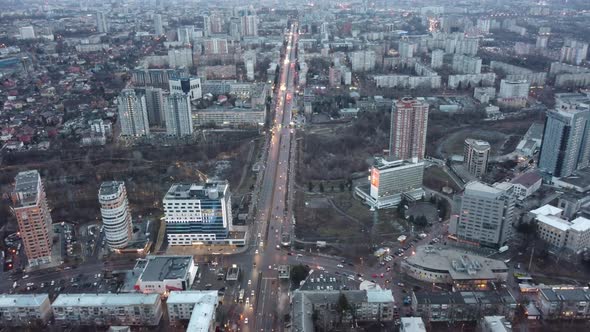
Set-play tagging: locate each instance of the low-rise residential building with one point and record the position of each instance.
(526, 184)
(450, 266)
(373, 305)
(195, 307)
(568, 302)
(107, 309)
(24, 309)
(162, 274)
(463, 306)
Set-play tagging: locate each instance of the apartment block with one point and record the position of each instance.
(108, 309)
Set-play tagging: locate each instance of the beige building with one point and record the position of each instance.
(476, 154)
(33, 217)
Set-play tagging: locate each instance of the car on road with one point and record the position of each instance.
(249, 282)
(252, 293)
(340, 265)
(321, 268)
(401, 284)
(256, 252)
(246, 320)
(278, 247)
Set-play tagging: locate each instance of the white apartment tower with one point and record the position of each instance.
(476, 155)
(158, 28)
(178, 115)
(116, 217)
(133, 114)
(486, 215)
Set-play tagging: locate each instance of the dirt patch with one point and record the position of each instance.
(455, 142)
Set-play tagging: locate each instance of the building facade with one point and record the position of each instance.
(409, 122)
(475, 155)
(116, 217)
(187, 85)
(566, 140)
(569, 302)
(486, 215)
(158, 28)
(33, 217)
(162, 274)
(196, 307)
(107, 309)
(133, 114)
(155, 103)
(391, 180)
(24, 309)
(249, 26)
(178, 115)
(102, 25)
(198, 213)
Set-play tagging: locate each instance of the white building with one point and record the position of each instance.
(526, 184)
(178, 115)
(476, 155)
(196, 307)
(187, 85)
(249, 25)
(560, 233)
(24, 309)
(511, 89)
(230, 117)
(464, 64)
(102, 25)
(574, 51)
(363, 60)
(108, 309)
(182, 57)
(162, 274)
(412, 324)
(437, 59)
(406, 49)
(132, 114)
(198, 213)
(486, 215)
(158, 28)
(390, 180)
(116, 217)
(27, 32)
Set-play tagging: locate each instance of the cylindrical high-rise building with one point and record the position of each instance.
(116, 218)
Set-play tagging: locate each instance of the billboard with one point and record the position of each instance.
(375, 177)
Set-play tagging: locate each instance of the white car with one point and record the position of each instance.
(256, 252)
(340, 265)
(249, 282)
(246, 320)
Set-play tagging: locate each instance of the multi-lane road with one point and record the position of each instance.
(272, 218)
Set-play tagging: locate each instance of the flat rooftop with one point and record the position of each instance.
(23, 300)
(109, 188)
(27, 187)
(382, 163)
(160, 268)
(569, 293)
(208, 190)
(580, 179)
(105, 300)
(460, 265)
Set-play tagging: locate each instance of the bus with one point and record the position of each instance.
(241, 296)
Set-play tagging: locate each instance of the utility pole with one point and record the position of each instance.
(531, 259)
